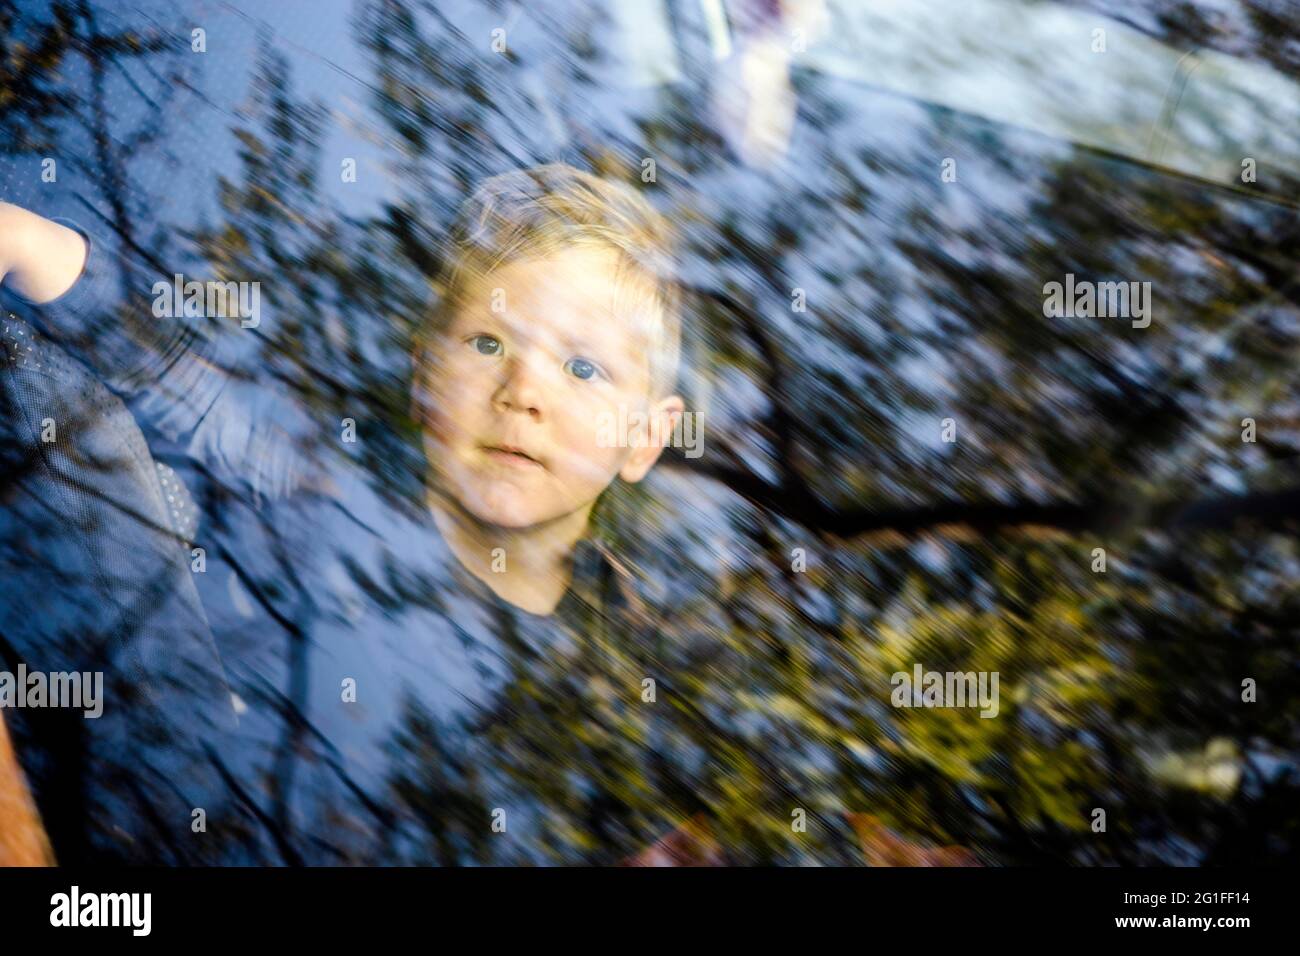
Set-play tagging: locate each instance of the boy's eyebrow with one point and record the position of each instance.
(608, 350)
(580, 343)
(608, 347)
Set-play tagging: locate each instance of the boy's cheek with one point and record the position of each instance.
(435, 424)
(593, 466)
(446, 437)
(448, 374)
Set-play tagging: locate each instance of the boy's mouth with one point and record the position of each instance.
(511, 455)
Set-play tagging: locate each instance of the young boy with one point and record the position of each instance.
(514, 724)
(457, 724)
(558, 318)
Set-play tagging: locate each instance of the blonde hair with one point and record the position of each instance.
(538, 211)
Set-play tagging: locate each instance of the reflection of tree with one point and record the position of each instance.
(1260, 30)
(974, 556)
(126, 783)
(439, 789)
(1075, 437)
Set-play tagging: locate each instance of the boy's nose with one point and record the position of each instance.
(521, 390)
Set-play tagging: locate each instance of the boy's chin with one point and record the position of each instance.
(508, 509)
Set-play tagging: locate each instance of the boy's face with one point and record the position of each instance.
(522, 387)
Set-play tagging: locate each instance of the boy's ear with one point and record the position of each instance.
(662, 416)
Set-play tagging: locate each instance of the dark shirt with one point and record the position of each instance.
(407, 708)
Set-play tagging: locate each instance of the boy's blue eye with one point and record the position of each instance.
(581, 368)
(486, 344)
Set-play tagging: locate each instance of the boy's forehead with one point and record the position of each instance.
(577, 296)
